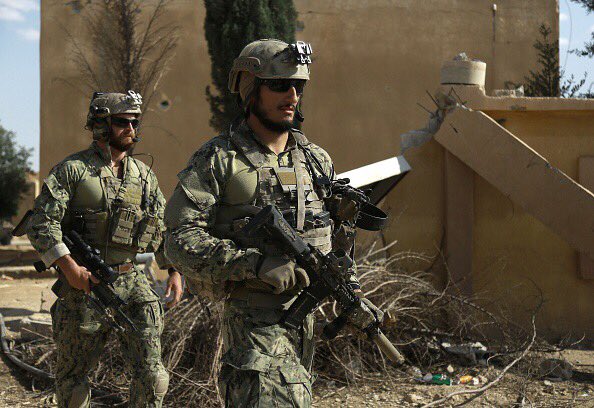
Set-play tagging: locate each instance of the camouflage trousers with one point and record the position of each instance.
(80, 336)
(264, 364)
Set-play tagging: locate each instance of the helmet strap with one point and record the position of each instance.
(250, 96)
(101, 128)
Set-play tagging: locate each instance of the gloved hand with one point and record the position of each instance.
(365, 315)
(282, 274)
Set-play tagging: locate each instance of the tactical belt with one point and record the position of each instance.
(262, 300)
(123, 267)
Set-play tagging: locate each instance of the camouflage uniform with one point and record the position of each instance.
(227, 179)
(120, 217)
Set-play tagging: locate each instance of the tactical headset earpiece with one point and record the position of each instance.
(105, 104)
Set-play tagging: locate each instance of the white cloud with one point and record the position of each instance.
(591, 29)
(13, 10)
(30, 34)
(10, 14)
(563, 17)
(21, 5)
(563, 42)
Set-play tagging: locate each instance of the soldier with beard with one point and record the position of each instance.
(113, 200)
(261, 161)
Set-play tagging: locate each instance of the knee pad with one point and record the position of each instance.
(80, 397)
(161, 382)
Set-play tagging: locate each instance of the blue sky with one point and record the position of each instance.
(19, 70)
(575, 28)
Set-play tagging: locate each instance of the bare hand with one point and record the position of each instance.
(175, 285)
(77, 276)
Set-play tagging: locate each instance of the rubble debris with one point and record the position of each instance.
(554, 368)
(468, 353)
(35, 327)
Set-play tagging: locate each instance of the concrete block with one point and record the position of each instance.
(523, 175)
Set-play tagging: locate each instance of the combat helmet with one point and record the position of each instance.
(269, 59)
(104, 105)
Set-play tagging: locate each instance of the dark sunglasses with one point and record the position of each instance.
(124, 123)
(283, 85)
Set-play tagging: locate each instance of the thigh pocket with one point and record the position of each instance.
(74, 316)
(297, 383)
(241, 378)
(146, 316)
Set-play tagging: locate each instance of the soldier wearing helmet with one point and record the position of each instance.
(261, 160)
(114, 202)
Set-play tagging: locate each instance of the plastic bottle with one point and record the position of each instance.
(465, 379)
(441, 379)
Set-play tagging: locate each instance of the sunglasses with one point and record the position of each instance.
(283, 85)
(124, 123)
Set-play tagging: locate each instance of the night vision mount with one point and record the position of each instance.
(134, 98)
(302, 52)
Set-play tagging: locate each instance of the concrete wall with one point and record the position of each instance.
(373, 62)
(170, 136)
(506, 253)
(514, 253)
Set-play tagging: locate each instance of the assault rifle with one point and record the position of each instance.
(105, 300)
(327, 274)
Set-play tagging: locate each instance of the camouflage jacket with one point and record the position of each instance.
(191, 213)
(54, 204)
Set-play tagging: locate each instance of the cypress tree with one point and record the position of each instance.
(545, 81)
(549, 80)
(229, 26)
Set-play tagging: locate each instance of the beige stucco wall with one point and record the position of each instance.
(514, 253)
(513, 258)
(374, 60)
(170, 136)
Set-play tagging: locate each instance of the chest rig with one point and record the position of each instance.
(111, 212)
(289, 187)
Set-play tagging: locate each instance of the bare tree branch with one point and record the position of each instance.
(128, 51)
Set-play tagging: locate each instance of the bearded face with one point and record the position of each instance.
(123, 131)
(275, 110)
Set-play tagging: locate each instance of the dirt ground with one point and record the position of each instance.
(507, 393)
(21, 298)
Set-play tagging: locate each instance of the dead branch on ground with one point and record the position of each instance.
(420, 319)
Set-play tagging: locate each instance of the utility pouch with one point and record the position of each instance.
(78, 223)
(344, 238)
(146, 233)
(95, 226)
(122, 225)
